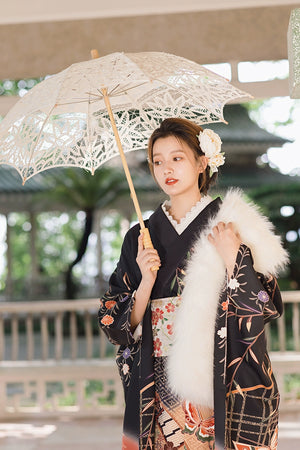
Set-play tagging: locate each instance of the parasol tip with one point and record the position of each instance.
(95, 53)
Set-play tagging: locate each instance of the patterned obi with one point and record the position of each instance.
(163, 312)
(178, 423)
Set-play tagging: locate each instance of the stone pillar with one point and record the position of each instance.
(97, 228)
(234, 71)
(9, 281)
(294, 53)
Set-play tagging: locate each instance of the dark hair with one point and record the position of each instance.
(185, 131)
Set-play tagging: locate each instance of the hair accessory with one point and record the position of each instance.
(210, 144)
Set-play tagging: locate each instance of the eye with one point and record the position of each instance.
(156, 163)
(177, 158)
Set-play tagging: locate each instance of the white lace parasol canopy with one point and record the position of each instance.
(63, 121)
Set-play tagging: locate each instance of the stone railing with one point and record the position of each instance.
(55, 329)
(55, 360)
(283, 337)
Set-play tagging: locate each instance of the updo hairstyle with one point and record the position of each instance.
(186, 131)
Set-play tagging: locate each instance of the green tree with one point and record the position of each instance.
(56, 234)
(272, 199)
(78, 190)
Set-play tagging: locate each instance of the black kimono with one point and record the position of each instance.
(231, 371)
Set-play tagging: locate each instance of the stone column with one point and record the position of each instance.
(97, 227)
(9, 282)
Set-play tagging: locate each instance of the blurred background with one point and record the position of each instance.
(61, 233)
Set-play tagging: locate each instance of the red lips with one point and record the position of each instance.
(170, 181)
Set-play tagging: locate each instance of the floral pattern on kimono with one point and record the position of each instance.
(248, 302)
(135, 356)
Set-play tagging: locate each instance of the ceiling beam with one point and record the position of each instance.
(207, 37)
(6, 103)
(29, 11)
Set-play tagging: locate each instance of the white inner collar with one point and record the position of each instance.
(190, 215)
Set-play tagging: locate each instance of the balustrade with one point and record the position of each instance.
(55, 359)
(42, 330)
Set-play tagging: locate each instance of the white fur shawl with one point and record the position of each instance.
(190, 363)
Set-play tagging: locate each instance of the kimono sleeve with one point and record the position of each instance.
(252, 300)
(116, 304)
(252, 294)
(252, 398)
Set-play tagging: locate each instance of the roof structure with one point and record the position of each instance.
(16, 197)
(11, 182)
(241, 130)
(244, 142)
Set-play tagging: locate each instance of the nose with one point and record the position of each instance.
(168, 168)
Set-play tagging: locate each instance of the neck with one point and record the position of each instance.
(180, 206)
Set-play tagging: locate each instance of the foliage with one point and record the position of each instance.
(20, 248)
(292, 383)
(256, 110)
(56, 233)
(60, 233)
(272, 198)
(17, 87)
(112, 238)
(78, 190)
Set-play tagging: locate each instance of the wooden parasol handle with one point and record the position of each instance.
(146, 235)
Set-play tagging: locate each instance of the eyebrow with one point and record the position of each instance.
(173, 151)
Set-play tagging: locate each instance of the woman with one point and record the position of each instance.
(192, 356)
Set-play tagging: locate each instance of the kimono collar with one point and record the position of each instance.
(190, 215)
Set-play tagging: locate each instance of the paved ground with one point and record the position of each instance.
(94, 434)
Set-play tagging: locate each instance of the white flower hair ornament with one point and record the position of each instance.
(210, 144)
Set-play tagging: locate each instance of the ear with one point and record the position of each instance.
(203, 160)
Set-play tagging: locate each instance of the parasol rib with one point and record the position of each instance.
(36, 144)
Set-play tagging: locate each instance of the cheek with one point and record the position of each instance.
(157, 176)
(158, 171)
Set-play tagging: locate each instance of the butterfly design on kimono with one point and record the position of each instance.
(204, 429)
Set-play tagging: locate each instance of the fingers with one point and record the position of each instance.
(145, 251)
(148, 262)
(221, 230)
(210, 238)
(226, 240)
(140, 243)
(222, 226)
(146, 257)
(216, 232)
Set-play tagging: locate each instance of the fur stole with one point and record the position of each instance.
(190, 363)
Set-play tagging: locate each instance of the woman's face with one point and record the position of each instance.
(175, 167)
